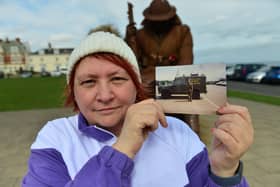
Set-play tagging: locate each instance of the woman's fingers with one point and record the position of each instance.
(226, 140)
(231, 109)
(160, 112)
(234, 129)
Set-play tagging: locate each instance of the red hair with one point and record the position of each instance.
(115, 59)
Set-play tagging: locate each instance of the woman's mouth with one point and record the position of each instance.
(107, 110)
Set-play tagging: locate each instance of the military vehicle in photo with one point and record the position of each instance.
(191, 86)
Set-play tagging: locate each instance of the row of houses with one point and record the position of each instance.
(16, 57)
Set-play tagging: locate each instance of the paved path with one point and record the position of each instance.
(261, 162)
(262, 168)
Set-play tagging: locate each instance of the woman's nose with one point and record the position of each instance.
(104, 93)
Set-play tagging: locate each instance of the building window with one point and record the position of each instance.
(14, 49)
(16, 59)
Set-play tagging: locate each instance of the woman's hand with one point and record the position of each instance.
(141, 118)
(233, 136)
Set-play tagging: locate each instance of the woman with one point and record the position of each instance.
(119, 138)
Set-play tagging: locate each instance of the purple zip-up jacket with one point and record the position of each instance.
(69, 152)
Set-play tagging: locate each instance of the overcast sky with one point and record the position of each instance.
(223, 30)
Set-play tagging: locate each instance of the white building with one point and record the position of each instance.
(49, 59)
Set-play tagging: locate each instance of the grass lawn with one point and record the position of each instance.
(47, 92)
(31, 93)
(254, 97)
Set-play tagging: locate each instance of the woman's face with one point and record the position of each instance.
(103, 92)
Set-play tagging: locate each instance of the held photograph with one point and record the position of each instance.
(191, 89)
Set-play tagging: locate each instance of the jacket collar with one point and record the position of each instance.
(92, 130)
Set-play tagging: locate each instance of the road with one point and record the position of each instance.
(207, 104)
(263, 89)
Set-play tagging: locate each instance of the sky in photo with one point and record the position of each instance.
(227, 31)
(213, 71)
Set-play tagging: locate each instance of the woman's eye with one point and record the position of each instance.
(119, 79)
(87, 82)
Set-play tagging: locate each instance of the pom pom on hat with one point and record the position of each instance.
(102, 42)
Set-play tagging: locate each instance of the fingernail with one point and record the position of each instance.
(221, 108)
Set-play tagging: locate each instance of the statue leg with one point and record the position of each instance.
(193, 121)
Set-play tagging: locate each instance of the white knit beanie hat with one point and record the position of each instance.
(102, 42)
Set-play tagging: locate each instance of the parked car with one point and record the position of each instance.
(273, 75)
(242, 70)
(25, 74)
(258, 76)
(221, 82)
(63, 71)
(45, 74)
(230, 71)
(56, 73)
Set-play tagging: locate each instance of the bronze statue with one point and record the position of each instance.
(162, 41)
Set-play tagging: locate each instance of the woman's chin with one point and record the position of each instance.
(110, 123)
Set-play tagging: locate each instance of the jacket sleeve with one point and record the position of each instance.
(109, 168)
(199, 174)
